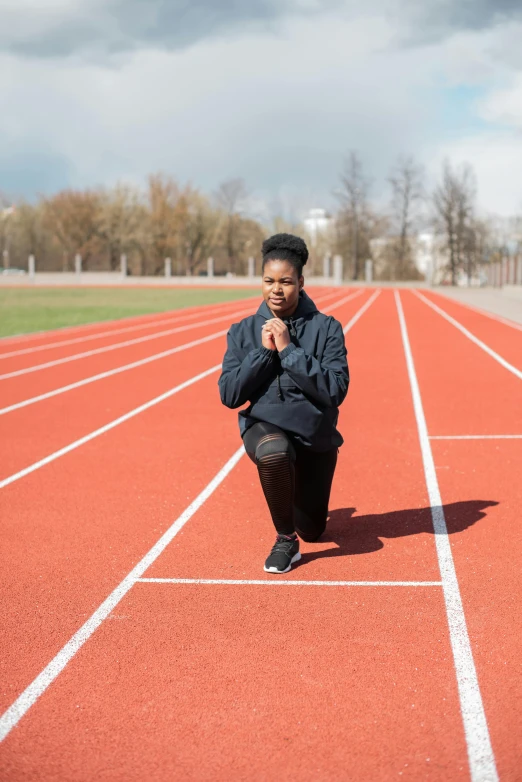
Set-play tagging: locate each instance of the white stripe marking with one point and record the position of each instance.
(133, 365)
(476, 437)
(111, 425)
(33, 336)
(110, 373)
(481, 311)
(360, 312)
(28, 698)
(109, 333)
(77, 443)
(202, 311)
(471, 336)
(341, 301)
(275, 582)
(480, 752)
(127, 343)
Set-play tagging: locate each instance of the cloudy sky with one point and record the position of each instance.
(276, 91)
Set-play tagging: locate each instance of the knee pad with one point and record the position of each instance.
(273, 448)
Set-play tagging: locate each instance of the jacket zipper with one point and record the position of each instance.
(293, 333)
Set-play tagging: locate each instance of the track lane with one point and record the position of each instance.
(472, 393)
(504, 340)
(14, 342)
(70, 416)
(195, 673)
(85, 365)
(28, 356)
(378, 526)
(187, 684)
(38, 343)
(189, 671)
(486, 554)
(119, 350)
(41, 429)
(488, 560)
(75, 525)
(441, 297)
(73, 529)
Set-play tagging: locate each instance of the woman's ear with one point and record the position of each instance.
(301, 283)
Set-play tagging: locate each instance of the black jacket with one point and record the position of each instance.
(299, 389)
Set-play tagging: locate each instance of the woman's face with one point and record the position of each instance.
(281, 287)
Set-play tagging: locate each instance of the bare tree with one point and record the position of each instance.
(231, 197)
(29, 234)
(454, 200)
(73, 217)
(201, 224)
(407, 195)
(165, 216)
(353, 218)
(123, 223)
(4, 234)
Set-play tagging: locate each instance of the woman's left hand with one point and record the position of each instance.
(280, 332)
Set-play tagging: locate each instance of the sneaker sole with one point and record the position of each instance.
(295, 558)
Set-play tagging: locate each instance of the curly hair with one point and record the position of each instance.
(286, 247)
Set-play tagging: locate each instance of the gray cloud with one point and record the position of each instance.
(432, 20)
(98, 28)
(277, 95)
(112, 26)
(470, 14)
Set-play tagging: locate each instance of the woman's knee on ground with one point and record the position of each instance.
(309, 527)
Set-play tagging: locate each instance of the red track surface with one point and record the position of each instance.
(253, 681)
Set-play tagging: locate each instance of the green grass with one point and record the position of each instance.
(23, 310)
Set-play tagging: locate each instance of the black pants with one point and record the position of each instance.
(296, 481)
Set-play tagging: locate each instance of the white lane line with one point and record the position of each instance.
(480, 752)
(472, 337)
(276, 582)
(77, 443)
(30, 695)
(133, 365)
(341, 301)
(110, 372)
(139, 340)
(107, 427)
(201, 311)
(472, 307)
(33, 336)
(125, 344)
(360, 312)
(475, 436)
(109, 333)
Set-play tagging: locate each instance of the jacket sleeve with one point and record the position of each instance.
(243, 373)
(324, 382)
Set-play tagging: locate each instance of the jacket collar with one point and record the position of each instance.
(305, 307)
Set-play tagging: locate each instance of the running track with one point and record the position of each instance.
(141, 637)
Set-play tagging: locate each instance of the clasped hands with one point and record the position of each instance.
(275, 335)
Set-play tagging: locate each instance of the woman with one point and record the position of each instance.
(289, 361)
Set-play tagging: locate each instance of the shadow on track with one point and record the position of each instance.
(362, 534)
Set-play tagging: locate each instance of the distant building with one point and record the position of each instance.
(317, 224)
(429, 257)
(427, 254)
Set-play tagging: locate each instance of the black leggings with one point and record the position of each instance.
(296, 481)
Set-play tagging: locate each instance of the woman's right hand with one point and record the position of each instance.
(267, 339)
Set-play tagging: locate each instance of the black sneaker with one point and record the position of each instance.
(285, 552)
